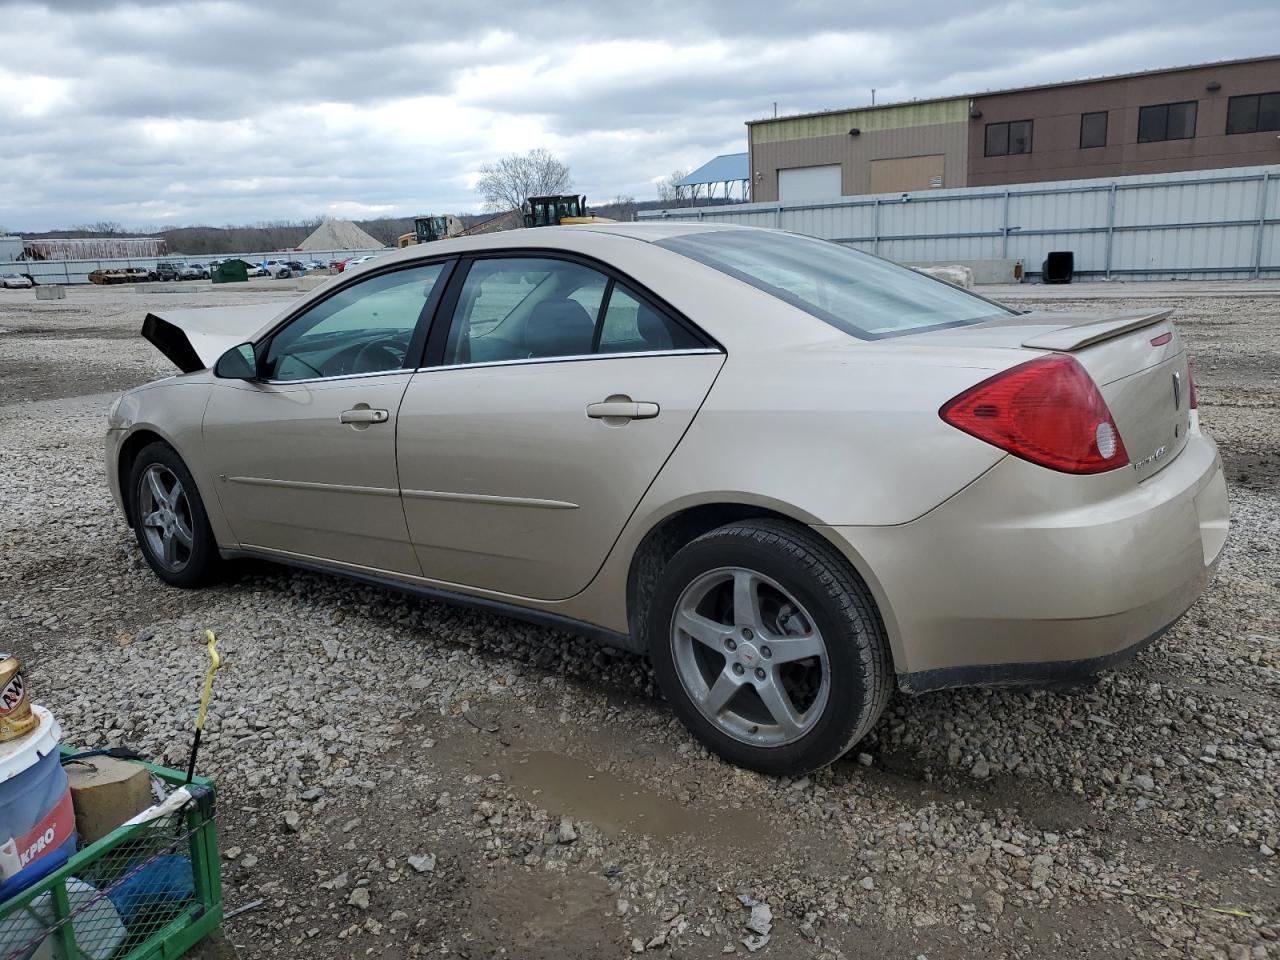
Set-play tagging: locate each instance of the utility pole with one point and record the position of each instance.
(873, 96)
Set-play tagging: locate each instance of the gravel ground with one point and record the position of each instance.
(400, 778)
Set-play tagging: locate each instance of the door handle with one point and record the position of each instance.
(622, 410)
(363, 415)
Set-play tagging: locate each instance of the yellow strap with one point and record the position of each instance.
(214, 662)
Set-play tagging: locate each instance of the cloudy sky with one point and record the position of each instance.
(155, 114)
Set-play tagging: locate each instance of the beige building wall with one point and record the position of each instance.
(938, 130)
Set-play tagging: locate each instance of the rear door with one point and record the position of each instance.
(553, 396)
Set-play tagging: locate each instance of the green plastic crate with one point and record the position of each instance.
(142, 868)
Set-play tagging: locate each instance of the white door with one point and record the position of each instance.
(809, 183)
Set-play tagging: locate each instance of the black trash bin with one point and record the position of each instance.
(1058, 267)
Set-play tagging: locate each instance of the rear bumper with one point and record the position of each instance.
(1030, 576)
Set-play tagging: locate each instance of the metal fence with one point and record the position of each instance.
(1223, 223)
(77, 271)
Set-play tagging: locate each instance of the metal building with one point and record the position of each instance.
(727, 173)
(85, 248)
(1201, 117)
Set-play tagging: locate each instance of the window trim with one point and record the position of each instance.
(438, 334)
(417, 340)
(1257, 114)
(572, 358)
(1195, 120)
(1106, 128)
(1031, 130)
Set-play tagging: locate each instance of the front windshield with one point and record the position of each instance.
(857, 293)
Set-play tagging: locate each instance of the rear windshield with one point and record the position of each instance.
(855, 292)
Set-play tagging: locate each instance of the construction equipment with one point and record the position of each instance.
(427, 229)
(555, 211)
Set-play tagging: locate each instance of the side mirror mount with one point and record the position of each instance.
(238, 363)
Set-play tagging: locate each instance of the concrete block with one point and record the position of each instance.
(51, 292)
(953, 273)
(107, 792)
(984, 271)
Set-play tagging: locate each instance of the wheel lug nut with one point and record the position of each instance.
(731, 643)
(766, 652)
(759, 673)
(738, 669)
(746, 633)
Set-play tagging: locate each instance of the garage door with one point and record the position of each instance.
(901, 174)
(809, 183)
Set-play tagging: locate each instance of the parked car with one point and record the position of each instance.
(357, 261)
(793, 474)
(296, 267)
(317, 265)
(278, 269)
(16, 281)
(258, 270)
(169, 270)
(193, 271)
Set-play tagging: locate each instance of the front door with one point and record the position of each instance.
(305, 456)
(552, 404)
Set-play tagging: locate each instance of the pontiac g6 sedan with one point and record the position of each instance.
(792, 474)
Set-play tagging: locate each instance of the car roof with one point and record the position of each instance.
(652, 231)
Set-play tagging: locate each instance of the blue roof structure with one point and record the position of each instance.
(726, 167)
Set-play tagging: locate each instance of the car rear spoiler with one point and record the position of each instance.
(194, 339)
(1080, 335)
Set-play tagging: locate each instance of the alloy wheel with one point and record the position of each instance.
(750, 656)
(165, 514)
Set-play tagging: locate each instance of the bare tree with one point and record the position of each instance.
(103, 228)
(667, 191)
(507, 184)
(624, 207)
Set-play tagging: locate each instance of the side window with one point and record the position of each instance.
(365, 328)
(520, 308)
(632, 326)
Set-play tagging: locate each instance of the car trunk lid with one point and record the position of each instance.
(1137, 360)
(194, 339)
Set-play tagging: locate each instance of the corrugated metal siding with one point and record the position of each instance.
(866, 119)
(1217, 222)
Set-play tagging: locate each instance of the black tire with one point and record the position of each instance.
(839, 603)
(203, 565)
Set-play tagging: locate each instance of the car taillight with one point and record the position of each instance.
(1048, 411)
(1191, 387)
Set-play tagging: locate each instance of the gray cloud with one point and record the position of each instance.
(155, 113)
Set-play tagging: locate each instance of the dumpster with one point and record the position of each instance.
(231, 271)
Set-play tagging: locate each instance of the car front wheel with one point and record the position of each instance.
(169, 519)
(769, 646)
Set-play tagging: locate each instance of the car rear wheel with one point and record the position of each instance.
(769, 647)
(169, 519)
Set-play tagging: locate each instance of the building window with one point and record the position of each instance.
(1093, 129)
(1004, 139)
(1254, 113)
(1167, 121)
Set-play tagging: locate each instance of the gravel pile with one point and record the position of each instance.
(400, 778)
